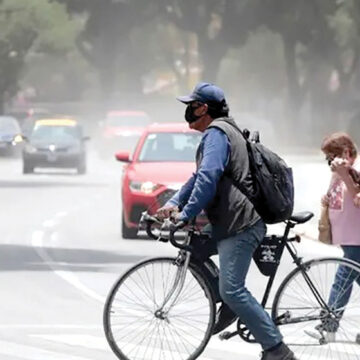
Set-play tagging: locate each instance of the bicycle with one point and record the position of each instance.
(165, 307)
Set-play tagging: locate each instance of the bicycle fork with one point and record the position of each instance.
(176, 288)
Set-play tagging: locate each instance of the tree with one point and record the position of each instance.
(320, 41)
(36, 26)
(106, 40)
(205, 19)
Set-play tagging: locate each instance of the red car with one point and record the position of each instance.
(163, 160)
(121, 129)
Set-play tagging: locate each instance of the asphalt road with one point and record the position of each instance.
(61, 250)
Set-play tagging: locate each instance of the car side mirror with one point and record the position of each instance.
(123, 156)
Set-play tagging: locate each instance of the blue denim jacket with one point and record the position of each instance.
(200, 189)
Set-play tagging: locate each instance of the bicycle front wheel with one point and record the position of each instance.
(316, 321)
(138, 327)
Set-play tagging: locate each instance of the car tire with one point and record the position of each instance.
(27, 168)
(81, 168)
(127, 232)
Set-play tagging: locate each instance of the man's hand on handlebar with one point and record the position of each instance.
(166, 212)
(170, 224)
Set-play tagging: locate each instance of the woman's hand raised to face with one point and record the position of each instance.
(340, 166)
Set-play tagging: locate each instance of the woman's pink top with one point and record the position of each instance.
(344, 215)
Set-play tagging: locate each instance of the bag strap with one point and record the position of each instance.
(245, 134)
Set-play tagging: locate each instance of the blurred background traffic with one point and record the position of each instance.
(84, 83)
(285, 66)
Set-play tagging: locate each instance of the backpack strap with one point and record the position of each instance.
(245, 134)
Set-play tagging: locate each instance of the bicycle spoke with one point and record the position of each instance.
(139, 329)
(297, 298)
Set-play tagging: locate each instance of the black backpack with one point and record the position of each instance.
(272, 192)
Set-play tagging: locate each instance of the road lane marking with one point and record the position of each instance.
(33, 353)
(8, 240)
(49, 223)
(37, 241)
(61, 214)
(55, 242)
(237, 347)
(51, 327)
(82, 340)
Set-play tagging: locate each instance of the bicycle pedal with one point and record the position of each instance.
(225, 335)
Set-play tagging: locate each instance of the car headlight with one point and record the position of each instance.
(146, 187)
(17, 139)
(30, 149)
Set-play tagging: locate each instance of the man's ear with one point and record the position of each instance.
(204, 109)
(201, 110)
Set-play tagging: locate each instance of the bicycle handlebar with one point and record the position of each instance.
(149, 221)
(167, 224)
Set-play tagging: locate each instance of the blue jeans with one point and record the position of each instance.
(235, 254)
(343, 284)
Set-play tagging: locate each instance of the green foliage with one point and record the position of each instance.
(273, 48)
(47, 22)
(258, 68)
(31, 26)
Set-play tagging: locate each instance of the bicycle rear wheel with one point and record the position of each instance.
(310, 329)
(134, 327)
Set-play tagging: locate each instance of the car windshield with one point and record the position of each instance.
(178, 147)
(9, 125)
(128, 120)
(54, 132)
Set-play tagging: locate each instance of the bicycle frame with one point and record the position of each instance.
(299, 263)
(285, 243)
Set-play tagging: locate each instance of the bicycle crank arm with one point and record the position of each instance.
(226, 335)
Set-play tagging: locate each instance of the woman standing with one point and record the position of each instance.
(344, 215)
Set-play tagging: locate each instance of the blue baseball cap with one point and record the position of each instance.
(204, 92)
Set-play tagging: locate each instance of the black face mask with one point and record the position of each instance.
(190, 117)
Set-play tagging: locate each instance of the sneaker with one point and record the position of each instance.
(320, 334)
(224, 318)
(281, 353)
(324, 338)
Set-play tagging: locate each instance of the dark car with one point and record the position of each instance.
(10, 136)
(23, 113)
(58, 143)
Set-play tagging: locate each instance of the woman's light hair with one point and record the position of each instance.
(337, 142)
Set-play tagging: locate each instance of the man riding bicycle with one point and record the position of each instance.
(236, 226)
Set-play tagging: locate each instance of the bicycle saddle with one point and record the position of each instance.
(301, 217)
